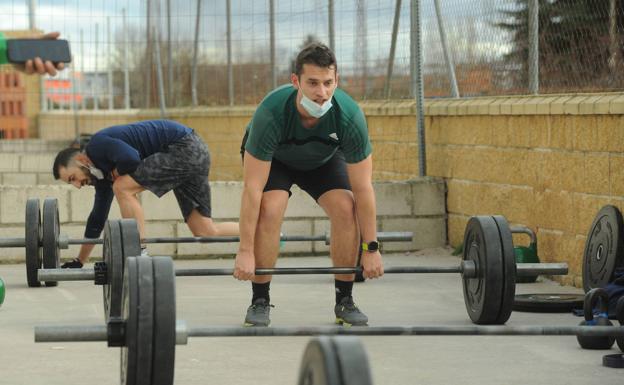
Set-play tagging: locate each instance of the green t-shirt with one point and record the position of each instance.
(276, 131)
(3, 49)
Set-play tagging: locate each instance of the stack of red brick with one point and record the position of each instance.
(13, 122)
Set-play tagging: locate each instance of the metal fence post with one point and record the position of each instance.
(195, 54)
(230, 72)
(272, 38)
(109, 62)
(417, 86)
(533, 46)
(450, 66)
(395, 31)
(126, 62)
(330, 24)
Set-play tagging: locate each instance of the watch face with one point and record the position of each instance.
(373, 246)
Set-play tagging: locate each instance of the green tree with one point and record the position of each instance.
(575, 44)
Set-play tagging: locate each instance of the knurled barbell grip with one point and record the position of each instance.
(82, 333)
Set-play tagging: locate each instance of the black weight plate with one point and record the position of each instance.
(353, 360)
(163, 354)
(113, 257)
(32, 240)
(50, 236)
(131, 245)
(509, 269)
(337, 360)
(613, 360)
(146, 321)
(604, 248)
(548, 302)
(483, 294)
(130, 314)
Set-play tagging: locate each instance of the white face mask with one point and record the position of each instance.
(313, 108)
(96, 172)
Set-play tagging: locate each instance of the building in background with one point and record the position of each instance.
(27, 92)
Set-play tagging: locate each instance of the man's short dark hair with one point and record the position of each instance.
(63, 158)
(315, 53)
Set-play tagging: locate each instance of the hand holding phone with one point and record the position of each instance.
(42, 55)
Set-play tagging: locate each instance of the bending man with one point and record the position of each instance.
(154, 155)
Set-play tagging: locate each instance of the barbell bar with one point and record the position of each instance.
(383, 236)
(147, 330)
(98, 333)
(63, 241)
(466, 268)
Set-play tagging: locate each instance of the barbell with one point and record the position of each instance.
(147, 330)
(43, 240)
(488, 268)
(147, 333)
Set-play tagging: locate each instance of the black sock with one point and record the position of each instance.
(343, 289)
(260, 290)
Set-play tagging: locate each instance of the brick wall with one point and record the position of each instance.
(548, 162)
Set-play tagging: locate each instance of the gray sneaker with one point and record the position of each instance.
(258, 313)
(348, 314)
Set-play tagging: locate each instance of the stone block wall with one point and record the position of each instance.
(416, 205)
(548, 162)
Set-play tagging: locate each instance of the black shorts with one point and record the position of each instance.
(183, 167)
(330, 176)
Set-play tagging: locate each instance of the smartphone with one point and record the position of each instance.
(21, 50)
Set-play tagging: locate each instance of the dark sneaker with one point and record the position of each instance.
(73, 264)
(258, 313)
(348, 314)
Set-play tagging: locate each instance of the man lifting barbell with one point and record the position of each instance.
(314, 135)
(124, 160)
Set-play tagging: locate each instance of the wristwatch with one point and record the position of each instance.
(371, 247)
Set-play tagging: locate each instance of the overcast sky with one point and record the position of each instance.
(468, 24)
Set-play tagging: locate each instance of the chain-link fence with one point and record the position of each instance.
(181, 53)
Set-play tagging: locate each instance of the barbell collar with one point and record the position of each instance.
(181, 332)
(63, 242)
(468, 269)
(84, 333)
(12, 242)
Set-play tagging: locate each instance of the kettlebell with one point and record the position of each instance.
(619, 314)
(592, 298)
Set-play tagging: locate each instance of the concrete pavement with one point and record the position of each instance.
(433, 299)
